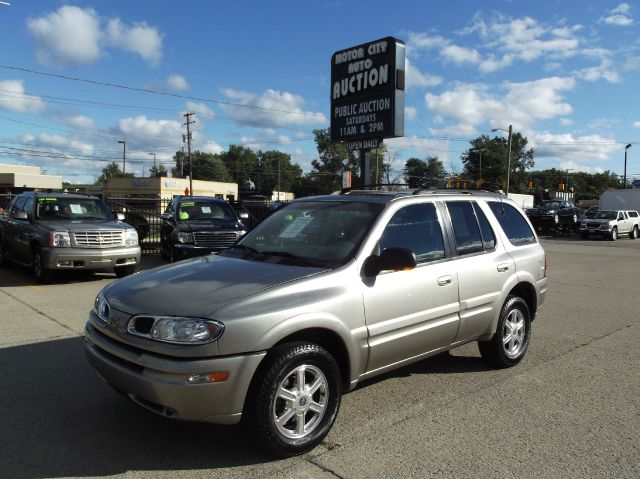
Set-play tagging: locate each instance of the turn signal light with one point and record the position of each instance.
(217, 377)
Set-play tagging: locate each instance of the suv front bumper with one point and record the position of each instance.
(159, 383)
(90, 259)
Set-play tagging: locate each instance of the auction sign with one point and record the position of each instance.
(367, 92)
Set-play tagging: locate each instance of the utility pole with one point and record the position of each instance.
(188, 125)
(124, 154)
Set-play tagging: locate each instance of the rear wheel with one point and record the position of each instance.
(511, 340)
(294, 399)
(3, 260)
(163, 253)
(633, 234)
(40, 273)
(584, 235)
(614, 234)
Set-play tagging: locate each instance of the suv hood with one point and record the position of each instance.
(209, 225)
(84, 225)
(199, 286)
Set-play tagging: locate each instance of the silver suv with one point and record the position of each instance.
(324, 293)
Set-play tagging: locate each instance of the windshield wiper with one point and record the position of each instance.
(246, 248)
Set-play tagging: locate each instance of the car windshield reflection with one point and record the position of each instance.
(309, 233)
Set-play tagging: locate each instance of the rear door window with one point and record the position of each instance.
(466, 230)
(513, 223)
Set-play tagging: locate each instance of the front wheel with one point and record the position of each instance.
(584, 235)
(122, 271)
(40, 273)
(294, 399)
(511, 340)
(633, 234)
(614, 234)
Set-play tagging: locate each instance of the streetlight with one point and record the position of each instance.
(479, 151)
(124, 154)
(510, 130)
(155, 172)
(624, 183)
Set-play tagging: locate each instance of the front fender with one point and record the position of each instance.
(354, 341)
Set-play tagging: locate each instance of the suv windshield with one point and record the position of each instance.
(606, 215)
(204, 210)
(309, 233)
(52, 208)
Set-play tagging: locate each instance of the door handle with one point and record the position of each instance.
(444, 280)
(503, 267)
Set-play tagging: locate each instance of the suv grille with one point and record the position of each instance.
(99, 239)
(215, 239)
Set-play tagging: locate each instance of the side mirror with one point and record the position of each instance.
(120, 216)
(21, 215)
(244, 215)
(166, 216)
(391, 259)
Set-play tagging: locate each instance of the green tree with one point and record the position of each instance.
(206, 166)
(275, 172)
(429, 172)
(242, 165)
(159, 170)
(494, 161)
(334, 159)
(112, 170)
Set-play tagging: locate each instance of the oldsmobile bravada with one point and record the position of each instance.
(324, 293)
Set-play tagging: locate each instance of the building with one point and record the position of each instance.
(17, 178)
(166, 188)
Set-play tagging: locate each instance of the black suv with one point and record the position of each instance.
(198, 225)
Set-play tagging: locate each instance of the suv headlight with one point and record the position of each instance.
(179, 330)
(185, 237)
(551, 212)
(130, 237)
(102, 308)
(59, 239)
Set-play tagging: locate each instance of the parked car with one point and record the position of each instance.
(612, 224)
(55, 231)
(198, 225)
(554, 214)
(324, 293)
(588, 214)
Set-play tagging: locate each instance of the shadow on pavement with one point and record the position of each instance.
(59, 419)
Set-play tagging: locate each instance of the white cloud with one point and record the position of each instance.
(143, 129)
(178, 83)
(565, 147)
(59, 143)
(80, 122)
(491, 64)
(636, 124)
(460, 55)
(70, 36)
(274, 108)
(605, 71)
(619, 16)
(415, 78)
(410, 113)
(210, 146)
(200, 109)
(14, 98)
(566, 121)
(421, 147)
(140, 38)
(522, 105)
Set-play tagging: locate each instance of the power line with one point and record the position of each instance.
(155, 92)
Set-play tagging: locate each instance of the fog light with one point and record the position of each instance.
(65, 262)
(218, 377)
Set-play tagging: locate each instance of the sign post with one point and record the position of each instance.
(367, 96)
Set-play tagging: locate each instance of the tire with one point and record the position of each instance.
(633, 234)
(614, 234)
(122, 271)
(275, 395)
(511, 340)
(163, 255)
(172, 257)
(3, 259)
(584, 235)
(40, 273)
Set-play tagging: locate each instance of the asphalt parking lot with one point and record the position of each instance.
(570, 409)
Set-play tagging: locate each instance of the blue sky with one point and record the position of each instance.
(564, 73)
